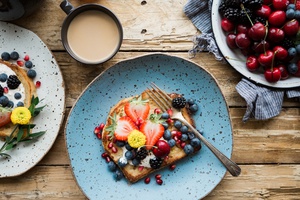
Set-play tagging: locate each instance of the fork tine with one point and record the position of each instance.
(165, 97)
(157, 100)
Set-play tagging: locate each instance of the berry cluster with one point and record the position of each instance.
(267, 33)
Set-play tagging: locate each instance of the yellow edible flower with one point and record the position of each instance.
(20, 115)
(136, 139)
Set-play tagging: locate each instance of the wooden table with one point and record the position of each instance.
(267, 151)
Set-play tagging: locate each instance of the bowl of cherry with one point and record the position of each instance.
(260, 39)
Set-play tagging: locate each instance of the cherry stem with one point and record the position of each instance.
(272, 65)
(243, 8)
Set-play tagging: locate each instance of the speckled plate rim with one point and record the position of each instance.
(54, 111)
(237, 60)
(131, 59)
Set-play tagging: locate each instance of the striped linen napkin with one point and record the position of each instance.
(262, 102)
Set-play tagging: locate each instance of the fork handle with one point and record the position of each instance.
(231, 166)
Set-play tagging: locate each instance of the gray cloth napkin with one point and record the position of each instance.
(262, 102)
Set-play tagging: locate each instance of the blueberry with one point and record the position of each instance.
(165, 125)
(167, 134)
(5, 56)
(188, 149)
(177, 124)
(298, 49)
(291, 6)
(191, 135)
(128, 147)
(118, 175)
(14, 55)
(3, 101)
(172, 142)
(193, 108)
(120, 143)
(31, 73)
(165, 116)
(18, 95)
(20, 104)
(28, 64)
(297, 15)
(129, 155)
(3, 77)
(135, 162)
(184, 129)
(184, 137)
(292, 51)
(195, 142)
(122, 162)
(10, 104)
(112, 166)
(290, 13)
(191, 101)
(292, 68)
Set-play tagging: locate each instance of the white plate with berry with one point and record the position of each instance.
(194, 176)
(265, 54)
(23, 46)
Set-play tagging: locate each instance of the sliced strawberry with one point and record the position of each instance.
(123, 127)
(153, 129)
(4, 116)
(137, 109)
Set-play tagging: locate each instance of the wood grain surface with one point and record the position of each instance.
(267, 151)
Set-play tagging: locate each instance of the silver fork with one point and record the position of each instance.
(164, 102)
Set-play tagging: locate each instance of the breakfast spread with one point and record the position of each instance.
(138, 138)
(267, 33)
(16, 88)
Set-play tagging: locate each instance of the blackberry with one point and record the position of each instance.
(179, 102)
(232, 14)
(222, 8)
(287, 43)
(232, 3)
(252, 4)
(259, 19)
(243, 17)
(13, 82)
(1, 91)
(155, 162)
(141, 153)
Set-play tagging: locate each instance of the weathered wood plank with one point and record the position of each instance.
(167, 27)
(255, 182)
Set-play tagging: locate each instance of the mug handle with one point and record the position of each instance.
(66, 6)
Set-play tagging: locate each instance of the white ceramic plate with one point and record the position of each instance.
(237, 60)
(51, 92)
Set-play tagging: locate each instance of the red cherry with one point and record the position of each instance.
(280, 4)
(284, 72)
(227, 25)
(280, 53)
(230, 40)
(265, 59)
(257, 31)
(272, 75)
(275, 35)
(261, 47)
(241, 28)
(291, 27)
(252, 63)
(162, 149)
(277, 18)
(242, 41)
(264, 11)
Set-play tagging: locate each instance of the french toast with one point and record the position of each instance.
(28, 92)
(134, 171)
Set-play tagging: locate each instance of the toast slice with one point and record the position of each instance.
(132, 172)
(29, 90)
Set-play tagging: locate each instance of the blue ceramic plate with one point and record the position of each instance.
(195, 176)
